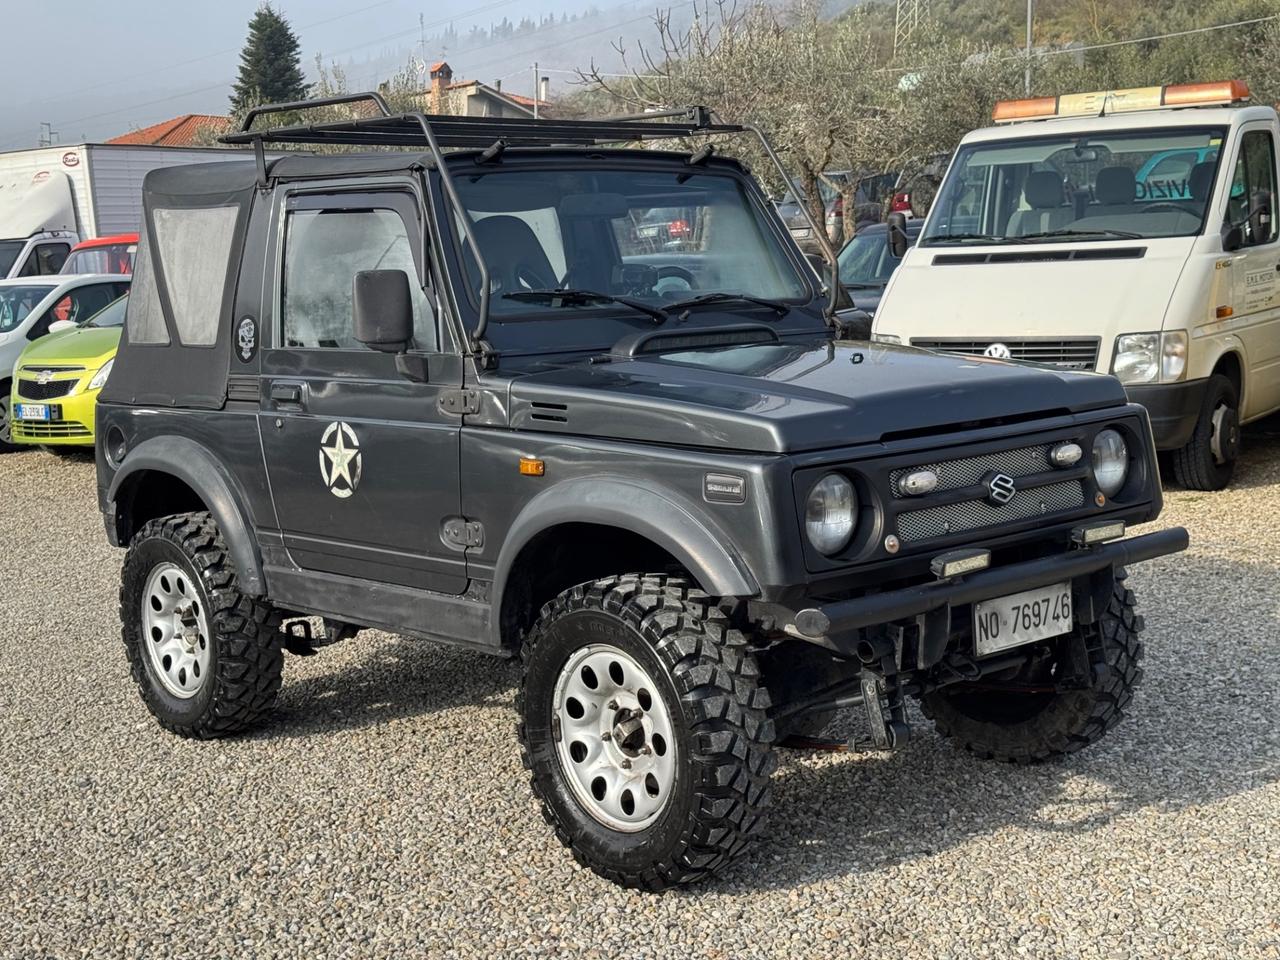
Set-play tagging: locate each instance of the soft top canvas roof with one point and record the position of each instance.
(184, 280)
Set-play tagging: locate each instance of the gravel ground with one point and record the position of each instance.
(383, 811)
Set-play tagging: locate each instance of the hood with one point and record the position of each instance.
(89, 347)
(787, 397)
(972, 292)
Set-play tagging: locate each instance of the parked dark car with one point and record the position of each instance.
(867, 263)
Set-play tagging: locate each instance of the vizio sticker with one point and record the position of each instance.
(340, 459)
(247, 339)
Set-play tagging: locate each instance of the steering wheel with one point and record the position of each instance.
(1166, 205)
(673, 279)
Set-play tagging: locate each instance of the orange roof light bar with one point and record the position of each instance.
(1101, 102)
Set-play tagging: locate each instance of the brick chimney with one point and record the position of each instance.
(441, 77)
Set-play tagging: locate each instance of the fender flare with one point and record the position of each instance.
(658, 514)
(1232, 344)
(195, 466)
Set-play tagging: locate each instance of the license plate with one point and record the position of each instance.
(1021, 618)
(32, 411)
(800, 233)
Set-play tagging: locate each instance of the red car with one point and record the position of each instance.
(103, 255)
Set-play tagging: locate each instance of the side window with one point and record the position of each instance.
(144, 320)
(51, 257)
(324, 250)
(1253, 188)
(30, 266)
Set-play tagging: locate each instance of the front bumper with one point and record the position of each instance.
(73, 425)
(834, 625)
(1173, 408)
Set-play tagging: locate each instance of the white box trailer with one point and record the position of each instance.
(52, 197)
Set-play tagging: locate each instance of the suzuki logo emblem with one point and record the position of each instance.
(1001, 489)
(998, 351)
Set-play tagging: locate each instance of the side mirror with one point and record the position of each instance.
(898, 240)
(1232, 236)
(382, 309)
(59, 325)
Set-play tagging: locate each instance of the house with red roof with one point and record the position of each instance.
(473, 98)
(188, 130)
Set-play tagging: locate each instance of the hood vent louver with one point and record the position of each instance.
(1041, 256)
(548, 412)
(692, 338)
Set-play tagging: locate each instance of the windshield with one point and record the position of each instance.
(652, 237)
(112, 315)
(867, 261)
(1087, 187)
(9, 250)
(16, 303)
(114, 258)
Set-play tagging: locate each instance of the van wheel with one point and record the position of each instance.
(206, 658)
(1209, 458)
(645, 729)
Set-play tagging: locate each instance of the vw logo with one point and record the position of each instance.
(998, 351)
(340, 459)
(1000, 489)
(44, 376)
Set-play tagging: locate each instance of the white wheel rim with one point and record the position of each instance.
(614, 740)
(175, 631)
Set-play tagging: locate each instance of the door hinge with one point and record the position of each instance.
(460, 402)
(461, 532)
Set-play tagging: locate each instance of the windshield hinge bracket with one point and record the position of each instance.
(459, 402)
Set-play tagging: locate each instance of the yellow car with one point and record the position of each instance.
(58, 377)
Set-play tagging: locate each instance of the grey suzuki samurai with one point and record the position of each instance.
(520, 386)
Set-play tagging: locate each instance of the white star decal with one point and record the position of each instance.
(340, 459)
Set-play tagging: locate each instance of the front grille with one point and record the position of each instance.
(50, 430)
(1079, 354)
(930, 523)
(33, 390)
(954, 474)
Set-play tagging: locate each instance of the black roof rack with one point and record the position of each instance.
(387, 129)
(439, 132)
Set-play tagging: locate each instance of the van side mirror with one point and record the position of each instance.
(1232, 236)
(382, 309)
(59, 325)
(898, 240)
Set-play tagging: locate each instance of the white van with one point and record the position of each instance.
(1129, 232)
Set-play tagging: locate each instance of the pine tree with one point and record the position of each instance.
(270, 63)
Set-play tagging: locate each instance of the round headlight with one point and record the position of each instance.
(829, 513)
(1110, 461)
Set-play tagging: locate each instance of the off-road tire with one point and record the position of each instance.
(1194, 465)
(247, 660)
(991, 725)
(709, 681)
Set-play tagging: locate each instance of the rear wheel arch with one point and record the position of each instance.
(1231, 366)
(170, 475)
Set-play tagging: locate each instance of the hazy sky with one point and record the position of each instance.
(97, 69)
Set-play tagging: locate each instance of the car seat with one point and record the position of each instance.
(514, 255)
(1044, 195)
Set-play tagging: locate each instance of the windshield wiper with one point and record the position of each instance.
(956, 237)
(580, 298)
(1068, 232)
(868, 285)
(723, 297)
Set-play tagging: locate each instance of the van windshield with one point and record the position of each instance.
(1084, 187)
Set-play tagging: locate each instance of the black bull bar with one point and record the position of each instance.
(828, 624)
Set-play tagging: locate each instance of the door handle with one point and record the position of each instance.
(286, 394)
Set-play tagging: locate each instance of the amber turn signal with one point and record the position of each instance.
(530, 467)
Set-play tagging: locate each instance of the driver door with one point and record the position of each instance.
(1251, 202)
(363, 463)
